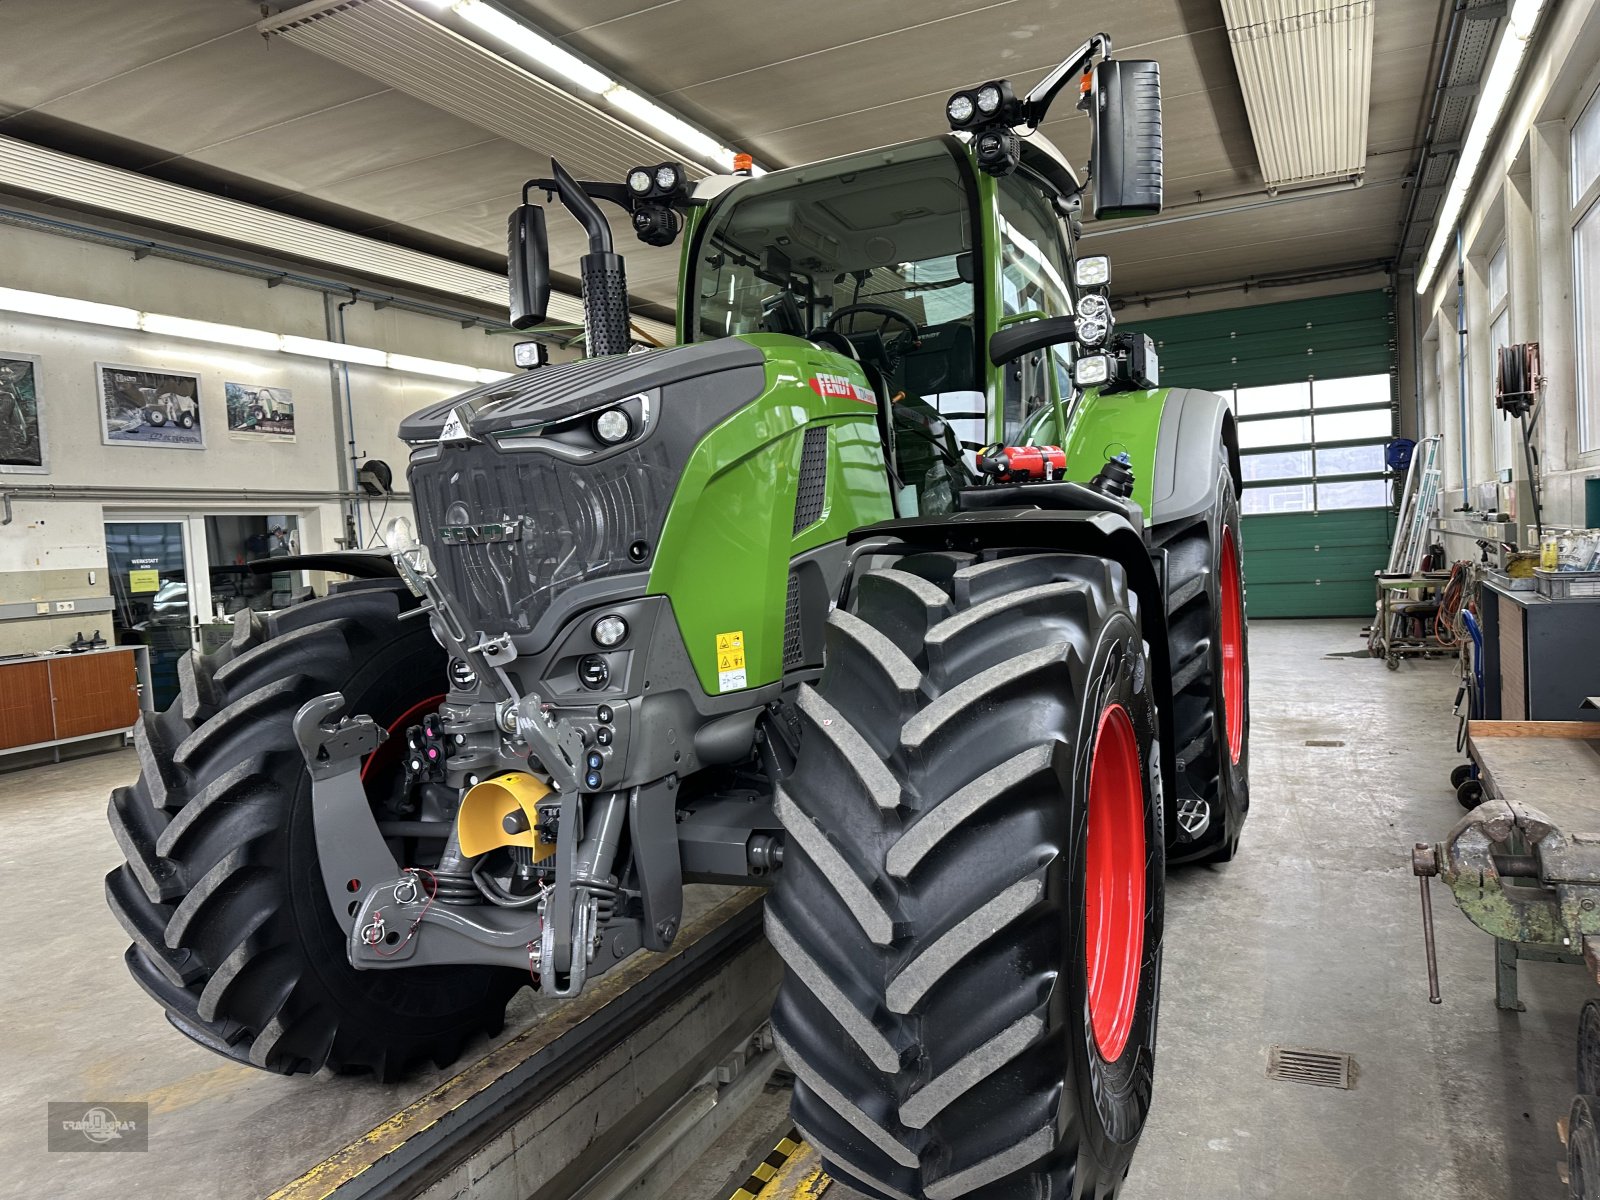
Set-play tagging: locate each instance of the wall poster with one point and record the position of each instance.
(21, 431)
(144, 407)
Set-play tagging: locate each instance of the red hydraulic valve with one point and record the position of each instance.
(1022, 464)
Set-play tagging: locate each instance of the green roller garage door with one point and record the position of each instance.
(1312, 383)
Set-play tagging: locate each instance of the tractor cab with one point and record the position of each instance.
(906, 259)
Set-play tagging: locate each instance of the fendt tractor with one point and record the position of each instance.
(899, 587)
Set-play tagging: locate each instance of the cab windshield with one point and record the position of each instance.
(876, 248)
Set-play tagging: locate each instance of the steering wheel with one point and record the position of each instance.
(910, 339)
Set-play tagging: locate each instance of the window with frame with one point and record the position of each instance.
(1499, 335)
(1585, 175)
(1315, 446)
(1034, 268)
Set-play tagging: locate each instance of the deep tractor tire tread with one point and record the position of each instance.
(925, 910)
(221, 893)
(1191, 548)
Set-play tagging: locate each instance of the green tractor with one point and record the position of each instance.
(899, 586)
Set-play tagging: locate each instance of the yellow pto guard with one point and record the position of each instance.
(481, 822)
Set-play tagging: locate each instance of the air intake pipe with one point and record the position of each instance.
(601, 272)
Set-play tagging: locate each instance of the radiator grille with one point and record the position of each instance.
(554, 524)
(793, 651)
(813, 491)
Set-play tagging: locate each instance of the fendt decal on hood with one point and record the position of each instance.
(839, 385)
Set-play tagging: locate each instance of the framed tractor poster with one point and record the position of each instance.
(258, 413)
(22, 447)
(140, 406)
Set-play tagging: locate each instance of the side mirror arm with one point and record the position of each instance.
(1014, 341)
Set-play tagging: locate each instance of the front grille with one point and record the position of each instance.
(793, 651)
(508, 529)
(812, 493)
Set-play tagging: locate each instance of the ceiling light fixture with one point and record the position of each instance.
(114, 316)
(557, 59)
(1305, 70)
(1493, 94)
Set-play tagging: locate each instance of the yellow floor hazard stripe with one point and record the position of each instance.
(791, 1172)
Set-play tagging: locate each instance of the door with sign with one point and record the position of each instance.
(148, 566)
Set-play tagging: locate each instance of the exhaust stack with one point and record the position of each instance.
(601, 272)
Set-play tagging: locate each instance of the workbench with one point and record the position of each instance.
(1524, 865)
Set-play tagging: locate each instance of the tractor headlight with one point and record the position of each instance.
(1091, 371)
(959, 109)
(639, 181)
(398, 535)
(612, 426)
(668, 177)
(1093, 322)
(988, 99)
(609, 631)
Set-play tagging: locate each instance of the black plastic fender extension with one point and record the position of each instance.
(359, 564)
(1072, 531)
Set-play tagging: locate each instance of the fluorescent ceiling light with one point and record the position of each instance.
(65, 308)
(89, 312)
(210, 331)
(1305, 69)
(552, 56)
(535, 45)
(1493, 94)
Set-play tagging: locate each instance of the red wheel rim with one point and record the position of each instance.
(1232, 647)
(1114, 882)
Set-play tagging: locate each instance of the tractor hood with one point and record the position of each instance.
(553, 394)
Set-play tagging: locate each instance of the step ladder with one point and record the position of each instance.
(1417, 502)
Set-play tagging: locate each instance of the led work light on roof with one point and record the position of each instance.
(960, 110)
(640, 181)
(668, 177)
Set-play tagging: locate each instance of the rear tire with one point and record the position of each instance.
(978, 762)
(222, 893)
(1204, 581)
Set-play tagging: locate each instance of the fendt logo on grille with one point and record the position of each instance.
(477, 535)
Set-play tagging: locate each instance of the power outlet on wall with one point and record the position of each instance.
(66, 606)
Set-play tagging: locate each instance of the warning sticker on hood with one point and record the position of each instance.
(730, 661)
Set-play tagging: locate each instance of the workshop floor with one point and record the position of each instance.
(1311, 938)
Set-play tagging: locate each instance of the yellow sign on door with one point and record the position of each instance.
(144, 581)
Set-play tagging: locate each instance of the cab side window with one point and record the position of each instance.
(1034, 269)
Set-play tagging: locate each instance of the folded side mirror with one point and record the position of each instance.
(1125, 163)
(1025, 337)
(528, 265)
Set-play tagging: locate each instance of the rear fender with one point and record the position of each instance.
(1099, 534)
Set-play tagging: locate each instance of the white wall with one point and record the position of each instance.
(51, 546)
(1522, 199)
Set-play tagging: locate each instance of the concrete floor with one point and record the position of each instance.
(1311, 938)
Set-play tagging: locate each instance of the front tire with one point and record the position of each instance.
(222, 893)
(970, 905)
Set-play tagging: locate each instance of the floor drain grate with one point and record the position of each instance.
(1317, 1068)
(1314, 742)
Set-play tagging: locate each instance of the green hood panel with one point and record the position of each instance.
(724, 554)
